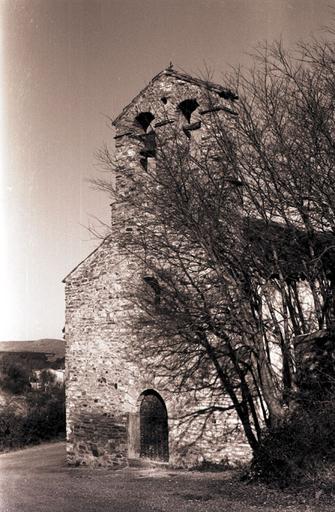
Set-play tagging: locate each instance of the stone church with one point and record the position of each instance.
(116, 410)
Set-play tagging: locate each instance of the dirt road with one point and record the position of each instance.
(37, 480)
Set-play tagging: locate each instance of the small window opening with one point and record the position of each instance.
(148, 138)
(154, 285)
(144, 119)
(149, 149)
(187, 107)
(144, 163)
(164, 99)
(228, 95)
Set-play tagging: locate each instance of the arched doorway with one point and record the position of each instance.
(154, 442)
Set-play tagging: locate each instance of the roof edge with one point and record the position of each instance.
(105, 240)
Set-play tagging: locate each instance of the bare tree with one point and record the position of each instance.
(234, 233)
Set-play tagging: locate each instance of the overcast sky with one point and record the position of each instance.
(65, 65)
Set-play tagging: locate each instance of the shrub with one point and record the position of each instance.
(46, 414)
(302, 443)
(11, 429)
(47, 379)
(44, 419)
(15, 379)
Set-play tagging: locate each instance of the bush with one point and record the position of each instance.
(11, 429)
(304, 442)
(15, 379)
(46, 415)
(47, 379)
(44, 419)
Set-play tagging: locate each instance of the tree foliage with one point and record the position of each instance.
(15, 378)
(29, 416)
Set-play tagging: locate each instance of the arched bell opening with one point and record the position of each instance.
(154, 436)
(187, 107)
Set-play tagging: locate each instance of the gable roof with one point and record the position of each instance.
(211, 86)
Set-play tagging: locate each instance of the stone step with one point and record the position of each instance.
(147, 463)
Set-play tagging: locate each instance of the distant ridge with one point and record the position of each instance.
(45, 345)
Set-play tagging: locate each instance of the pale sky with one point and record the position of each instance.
(65, 65)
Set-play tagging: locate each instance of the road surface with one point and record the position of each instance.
(38, 480)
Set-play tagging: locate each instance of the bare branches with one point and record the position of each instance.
(237, 230)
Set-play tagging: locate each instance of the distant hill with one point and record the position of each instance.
(36, 354)
(49, 346)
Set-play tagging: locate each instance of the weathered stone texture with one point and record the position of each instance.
(104, 382)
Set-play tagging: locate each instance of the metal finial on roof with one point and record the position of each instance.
(170, 66)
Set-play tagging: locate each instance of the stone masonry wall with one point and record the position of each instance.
(104, 382)
(104, 387)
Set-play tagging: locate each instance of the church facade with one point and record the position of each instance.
(116, 410)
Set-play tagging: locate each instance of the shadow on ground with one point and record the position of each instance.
(38, 480)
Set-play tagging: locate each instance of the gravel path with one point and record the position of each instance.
(38, 480)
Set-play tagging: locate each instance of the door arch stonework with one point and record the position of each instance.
(154, 442)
